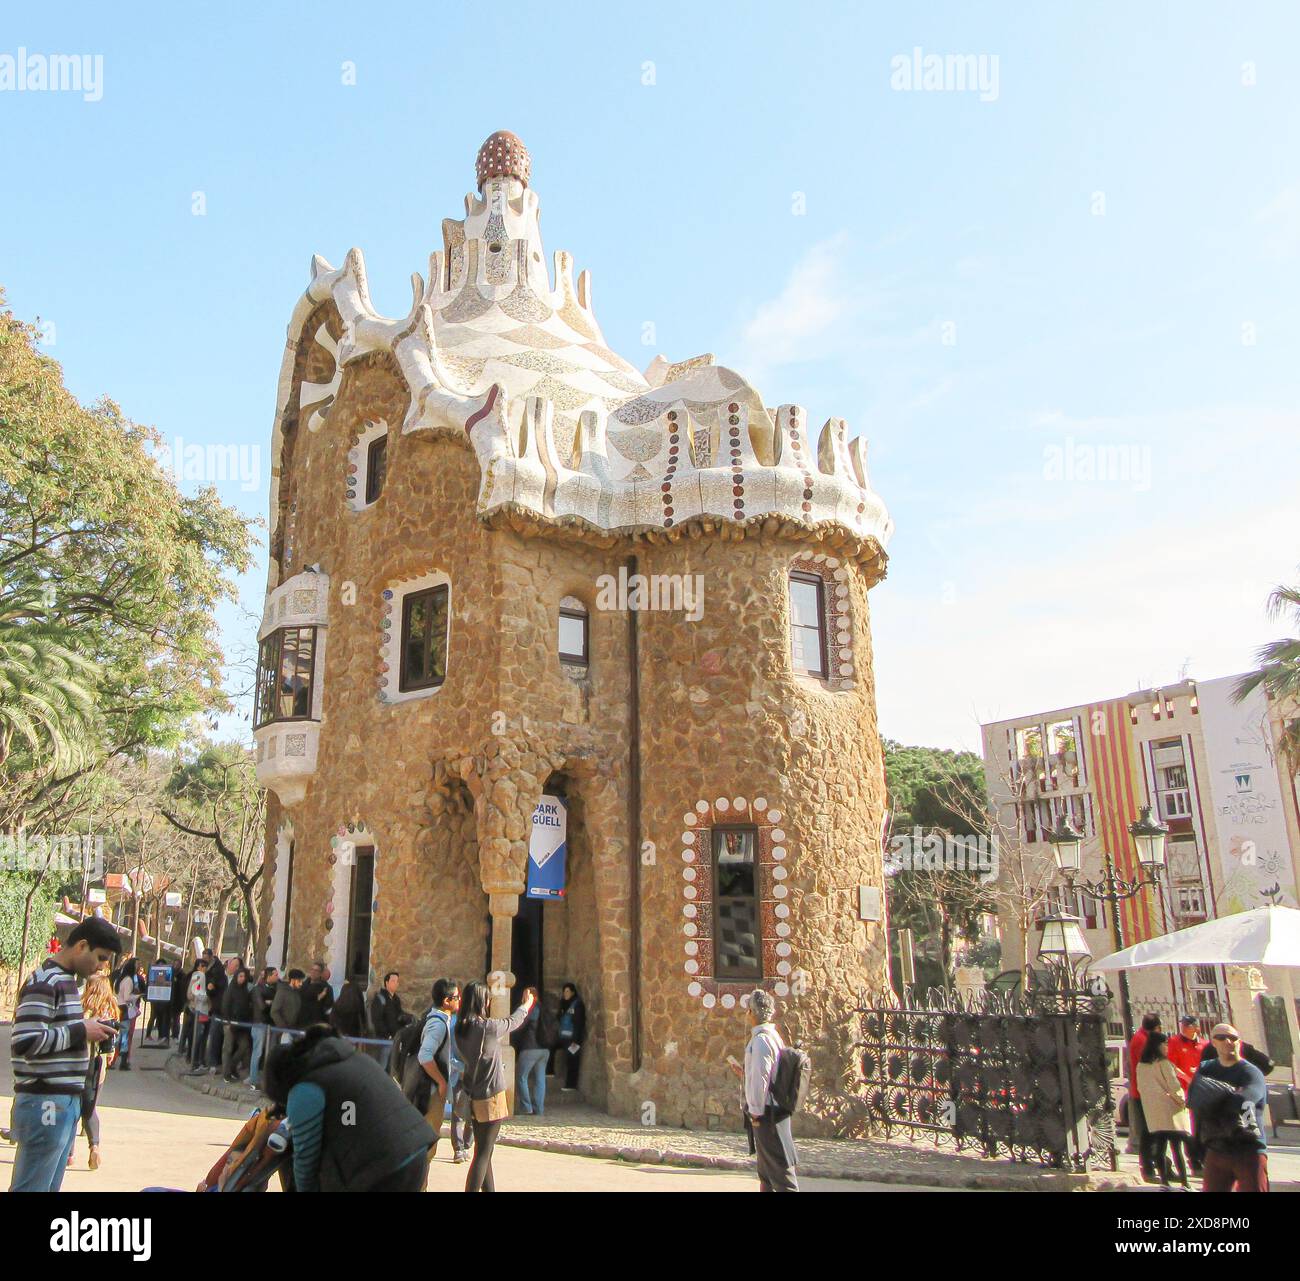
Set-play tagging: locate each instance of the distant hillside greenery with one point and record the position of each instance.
(935, 787)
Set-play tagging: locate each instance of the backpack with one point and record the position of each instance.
(548, 1029)
(791, 1079)
(406, 1044)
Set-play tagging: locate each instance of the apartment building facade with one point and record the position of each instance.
(1211, 771)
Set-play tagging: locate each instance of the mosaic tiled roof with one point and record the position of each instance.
(563, 426)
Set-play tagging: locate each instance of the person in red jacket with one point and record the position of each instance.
(1185, 1051)
(1186, 1048)
(1137, 1126)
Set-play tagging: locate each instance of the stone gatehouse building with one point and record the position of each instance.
(505, 563)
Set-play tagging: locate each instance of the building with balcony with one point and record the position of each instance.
(520, 590)
(1211, 770)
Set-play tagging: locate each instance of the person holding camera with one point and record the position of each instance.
(49, 1046)
(483, 1080)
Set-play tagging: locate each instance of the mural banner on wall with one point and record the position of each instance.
(1246, 797)
(548, 848)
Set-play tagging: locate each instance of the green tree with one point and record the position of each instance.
(216, 797)
(109, 578)
(125, 565)
(939, 792)
(1278, 673)
(46, 687)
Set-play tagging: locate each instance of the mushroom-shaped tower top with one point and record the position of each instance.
(502, 156)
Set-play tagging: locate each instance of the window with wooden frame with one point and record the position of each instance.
(808, 624)
(376, 467)
(737, 946)
(284, 676)
(574, 633)
(360, 911)
(424, 639)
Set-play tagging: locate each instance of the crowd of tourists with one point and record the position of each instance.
(311, 1051)
(1197, 1105)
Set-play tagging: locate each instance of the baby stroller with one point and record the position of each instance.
(261, 1148)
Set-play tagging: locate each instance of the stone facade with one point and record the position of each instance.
(708, 724)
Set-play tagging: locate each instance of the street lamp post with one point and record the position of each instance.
(1149, 843)
(1064, 950)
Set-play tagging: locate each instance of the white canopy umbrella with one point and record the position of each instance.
(1262, 936)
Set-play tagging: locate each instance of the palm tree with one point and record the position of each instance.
(47, 695)
(1278, 673)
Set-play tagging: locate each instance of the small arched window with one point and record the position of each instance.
(574, 633)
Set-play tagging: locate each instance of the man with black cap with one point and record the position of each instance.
(773, 1140)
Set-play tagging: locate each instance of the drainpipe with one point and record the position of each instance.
(634, 821)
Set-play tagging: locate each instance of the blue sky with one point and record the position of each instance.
(1095, 268)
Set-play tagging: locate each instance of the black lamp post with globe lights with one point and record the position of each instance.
(1063, 943)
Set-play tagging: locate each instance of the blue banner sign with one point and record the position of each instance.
(547, 847)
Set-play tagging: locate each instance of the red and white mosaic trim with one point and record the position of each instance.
(773, 852)
(838, 620)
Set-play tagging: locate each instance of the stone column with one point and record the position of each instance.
(504, 908)
(500, 979)
(1245, 986)
(970, 981)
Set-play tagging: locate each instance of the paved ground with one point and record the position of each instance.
(157, 1132)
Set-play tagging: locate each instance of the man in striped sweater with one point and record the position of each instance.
(50, 1050)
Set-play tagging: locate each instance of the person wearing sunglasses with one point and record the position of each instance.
(1227, 1096)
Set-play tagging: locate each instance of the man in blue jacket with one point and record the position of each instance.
(1236, 1157)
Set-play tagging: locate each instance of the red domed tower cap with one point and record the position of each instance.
(502, 156)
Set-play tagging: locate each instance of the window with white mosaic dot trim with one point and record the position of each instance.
(390, 630)
(367, 463)
(713, 940)
(820, 583)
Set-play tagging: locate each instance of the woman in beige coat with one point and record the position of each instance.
(1164, 1106)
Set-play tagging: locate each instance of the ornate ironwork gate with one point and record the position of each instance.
(1018, 1076)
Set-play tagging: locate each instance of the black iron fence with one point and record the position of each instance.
(1206, 1008)
(1018, 1076)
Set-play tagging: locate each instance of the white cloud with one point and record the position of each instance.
(805, 316)
(1039, 597)
(1279, 224)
